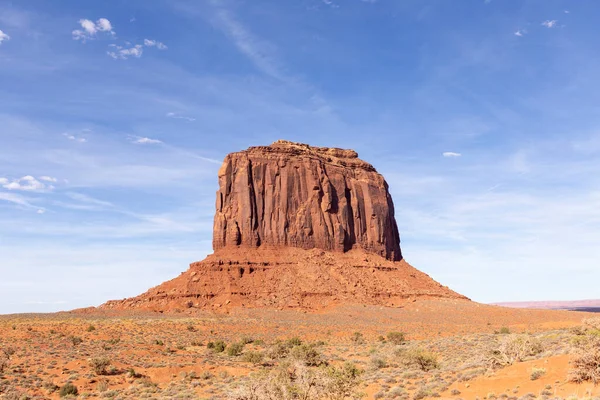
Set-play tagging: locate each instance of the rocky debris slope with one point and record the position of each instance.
(296, 227)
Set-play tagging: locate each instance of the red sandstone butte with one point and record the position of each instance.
(296, 226)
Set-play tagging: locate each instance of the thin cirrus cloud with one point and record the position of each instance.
(143, 140)
(3, 36)
(90, 29)
(152, 43)
(451, 154)
(549, 23)
(520, 32)
(28, 183)
(177, 116)
(74, 138)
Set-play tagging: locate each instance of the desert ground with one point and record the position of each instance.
(425, 348)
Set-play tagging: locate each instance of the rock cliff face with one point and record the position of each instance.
(296, 227)
(291, 194)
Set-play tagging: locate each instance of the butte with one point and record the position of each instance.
(297, 227)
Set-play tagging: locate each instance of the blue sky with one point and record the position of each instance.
(114, 117)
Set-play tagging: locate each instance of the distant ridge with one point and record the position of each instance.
(576, 305)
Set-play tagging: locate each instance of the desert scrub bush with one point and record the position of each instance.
(99, 365)
(9, 351)
(216, 347)
(357, 338)
(585, 363)
(76, 340)
(503, 331)
(307, 354)
(295, 341)
(537, 373)
(3, 364)
(68, 389)
(254, 357)
(378, 362)
(419, 358)
(297, 381)
(91, 328)
(513, 348)
(396, 337)
(235, 349)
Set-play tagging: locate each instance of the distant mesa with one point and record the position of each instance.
(296, 226)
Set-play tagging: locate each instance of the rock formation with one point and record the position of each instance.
(301, 227)
(291, 194)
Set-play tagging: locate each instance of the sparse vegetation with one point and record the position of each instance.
(585, 364)
(537, 373)
(99, 365)
(396, 337)
(68, 390)
(235, 349)
(217, 347)
(419, 358)
(514, 348)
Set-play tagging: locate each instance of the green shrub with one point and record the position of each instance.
(253, 357)
(68, 390)
(504, 330)
(235, 349)
(396, 337)
(217, 347)
(295, 341)
(91, 328)
(419, 358)
(307, 354)
(99, 365)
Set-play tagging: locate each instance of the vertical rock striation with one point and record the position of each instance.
(294, 195)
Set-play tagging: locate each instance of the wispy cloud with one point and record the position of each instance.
(520, 32)
(153, 43)
(74, 138)
(549, 23)
(260, 52)
(451, 154)
(176, 116)
(15, 198)
(3, 37)
(143, 140)
(90, 29)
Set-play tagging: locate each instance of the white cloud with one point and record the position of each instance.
(152, 43)
(74, 138)
(90, 29)
(26, 183)
(124, 53)
(3, 36)
(41, 211)
(174, 115)
(104, 25)
(144, 140)
(48, 179)
(549, 23)
(451, 154)
(14, 198)
(566, 11)
(520, 32)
